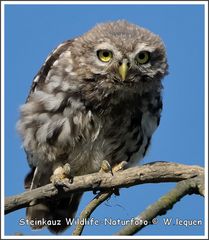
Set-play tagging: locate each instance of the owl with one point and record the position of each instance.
(96, 98)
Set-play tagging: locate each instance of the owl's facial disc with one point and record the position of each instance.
(124, 65)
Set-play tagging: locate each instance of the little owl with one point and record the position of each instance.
(97, 98)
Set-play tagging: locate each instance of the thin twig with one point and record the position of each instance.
(166, 202)
(86, 213)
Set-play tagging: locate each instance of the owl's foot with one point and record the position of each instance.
(120, 166)
(105, 168)
(62, 174)
(117, 168)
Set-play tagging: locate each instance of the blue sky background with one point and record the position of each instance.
(32, 31)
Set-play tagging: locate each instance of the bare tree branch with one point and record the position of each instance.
(149, 173)
(86, 213)
(166, 202)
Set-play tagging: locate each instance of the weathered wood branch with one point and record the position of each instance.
(149, 173)
(166, 202)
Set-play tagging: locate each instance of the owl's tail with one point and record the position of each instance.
(57, 216)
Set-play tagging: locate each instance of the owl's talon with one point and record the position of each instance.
(61, 183)
(105, 167)
(57, 180)
(95, 191)
(67, 169)
(68, 172)
(116, 192)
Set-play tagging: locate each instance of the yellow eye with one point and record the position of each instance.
(142, 57)
(104, 55)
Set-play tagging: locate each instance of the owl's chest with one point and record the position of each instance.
(120, 139)
(125, 132)
(124, 136)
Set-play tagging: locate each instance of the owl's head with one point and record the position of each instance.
(120, 53)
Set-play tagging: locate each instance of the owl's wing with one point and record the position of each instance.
(40, 77)
(38, 176)
(53, 119)
(34, 176)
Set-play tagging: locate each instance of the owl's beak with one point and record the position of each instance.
(123, 69)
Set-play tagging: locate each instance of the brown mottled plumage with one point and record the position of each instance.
(97, 97)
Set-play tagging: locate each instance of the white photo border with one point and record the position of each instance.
(3, 3)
